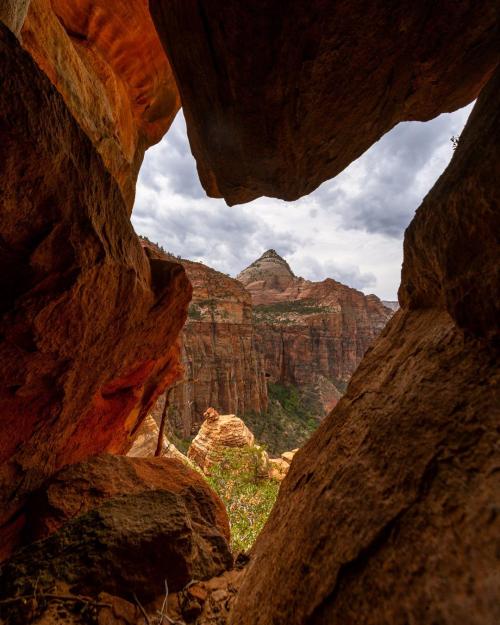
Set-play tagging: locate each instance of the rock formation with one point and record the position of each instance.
(89, 324)
(276, 328)
(279, 467)
(389, 514)
(221, 366)
(310, 334)
(115, 80)
(277, 99)
(218, 431)
(124, 525)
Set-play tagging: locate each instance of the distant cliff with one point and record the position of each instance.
(270, 347)
(310, 334)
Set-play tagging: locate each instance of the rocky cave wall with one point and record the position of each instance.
(389, 511)
(89, 325)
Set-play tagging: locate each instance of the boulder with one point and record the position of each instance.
(79, 488)
(287, 456)
(218, 431)
(128, 544)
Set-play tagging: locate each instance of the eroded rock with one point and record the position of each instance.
(279, 97)
(85, 486)
(89, 327)
(389, 509)
(129, 543)
(218, 431)
(107, 62)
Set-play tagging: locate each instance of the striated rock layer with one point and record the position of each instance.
(221, 365)
(279, 97)
(310, 334)
(89, 324)
(395, 519)
(218, 431)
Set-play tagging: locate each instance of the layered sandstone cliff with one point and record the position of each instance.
(310, 334)
(222, 368)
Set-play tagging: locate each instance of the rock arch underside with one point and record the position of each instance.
(389, 514)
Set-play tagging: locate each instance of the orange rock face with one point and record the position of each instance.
(279, 97)
(76, 489)
(124, 526)
(89, 324)
(222, 367)
(107, 62)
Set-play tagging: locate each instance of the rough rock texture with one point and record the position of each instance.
(13, 13)
(82, 487)
(221, 365)
(127, 544)
(89, 323)
(279, 97)
(394, 521)
(107, 62)
(310, 334)
(279, 467)
(146, 441)
(218, 431)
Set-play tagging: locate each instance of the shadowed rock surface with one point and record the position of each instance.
(403, 527)
(81, 487)
(130, 543)
(280, 97)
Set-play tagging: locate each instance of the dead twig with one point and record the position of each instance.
(166, 406)
(159, 444)
(139, 605)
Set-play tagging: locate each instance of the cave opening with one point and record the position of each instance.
(350, 230)
(388, 511)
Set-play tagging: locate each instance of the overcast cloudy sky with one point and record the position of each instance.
(351, 228)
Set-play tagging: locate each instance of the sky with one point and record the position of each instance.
(350, 228)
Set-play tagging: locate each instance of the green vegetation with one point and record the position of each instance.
(194, 311)
(269, 312)
(288, 422)
(248, 497)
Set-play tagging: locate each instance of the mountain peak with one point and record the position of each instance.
(270, 269)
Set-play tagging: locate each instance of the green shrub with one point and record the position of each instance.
(288, 422)
(248, 497)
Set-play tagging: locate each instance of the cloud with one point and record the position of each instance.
(350, 228)
(381, 190)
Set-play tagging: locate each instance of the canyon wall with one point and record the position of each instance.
(89, 324)
(222, 368)
(267, 326)
(311, 335)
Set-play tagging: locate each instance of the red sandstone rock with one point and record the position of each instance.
(144, 529)
(280, 96)
(218, 431)
(310, 334)
(106, 60)
(89, 324)
(388, 513)
(222, 367)
(82, 487)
